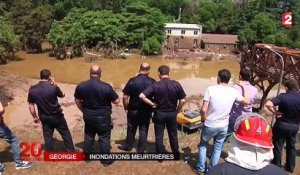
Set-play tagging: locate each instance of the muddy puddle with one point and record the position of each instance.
(194, 75)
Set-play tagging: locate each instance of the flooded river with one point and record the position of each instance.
(194, 75)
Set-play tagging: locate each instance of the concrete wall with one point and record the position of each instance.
(182, 42)
(219, 48)
(188, 32)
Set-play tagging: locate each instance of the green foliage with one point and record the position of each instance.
(131, 23)
(31, 23)
(263, 26)
(135, 24)
(247, 36)
(294, 37)
(169, 7)
(145, 48)
(281, 39)
(151, 46)
(8, 41)
(270, 39)
(258, 30)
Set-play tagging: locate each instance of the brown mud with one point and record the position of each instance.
(17, 77)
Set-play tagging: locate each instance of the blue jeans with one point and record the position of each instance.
(207, 133)
(10, 138)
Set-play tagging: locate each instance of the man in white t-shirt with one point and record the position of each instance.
(216, 107)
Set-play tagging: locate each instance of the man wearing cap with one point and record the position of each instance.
(250, 151)
(138, 112)
(287, 124)
(167, 98)
(93, 98)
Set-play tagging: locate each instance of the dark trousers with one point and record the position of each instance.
(162, 120)
(58, 122)
(285, 132)
(135, 119)
(93, 126)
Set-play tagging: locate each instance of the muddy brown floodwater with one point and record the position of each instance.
(194, 75)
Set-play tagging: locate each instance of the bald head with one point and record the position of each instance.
(95, 71)
(145, 68)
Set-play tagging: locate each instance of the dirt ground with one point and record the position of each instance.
(18, 118)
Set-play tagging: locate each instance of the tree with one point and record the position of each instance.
(257, 30)
(8, 41)
(71, 34)
(145, 48)
(294, 37)
(37, 27)
(169, 7)
(281, 39)
(247, 36)
(31, 23)
(151, 46)
(215, 17)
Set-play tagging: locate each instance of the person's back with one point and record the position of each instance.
(44, 95)
(289, 106)
(138, 112)
(135, 86)
(217, 103)
(166, 94)
(237, 108)
(227, 168)
(286, 127)
(168, 98)
(95, 95)
(93, 98)
(220, 103)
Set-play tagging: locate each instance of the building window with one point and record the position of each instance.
(195, 32)
(169, 31)
(182, 32)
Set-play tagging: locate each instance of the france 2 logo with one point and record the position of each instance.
(286, 19)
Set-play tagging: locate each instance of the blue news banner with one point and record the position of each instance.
(131, 156)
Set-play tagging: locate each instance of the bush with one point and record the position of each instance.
(145, 48)
(151, 46)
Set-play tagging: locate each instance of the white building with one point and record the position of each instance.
(183, 36)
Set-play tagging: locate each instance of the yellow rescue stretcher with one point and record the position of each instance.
(189, 119)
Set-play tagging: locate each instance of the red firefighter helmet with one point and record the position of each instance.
(253, 129)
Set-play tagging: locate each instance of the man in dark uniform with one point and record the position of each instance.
(138, 113)
(44, 95)
(168, 99)
(287, 124)
(93, 98)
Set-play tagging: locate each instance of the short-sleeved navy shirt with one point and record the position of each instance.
(134, 87)
(96, 97)
(289, 105)
(44, 95)
(166, 94)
